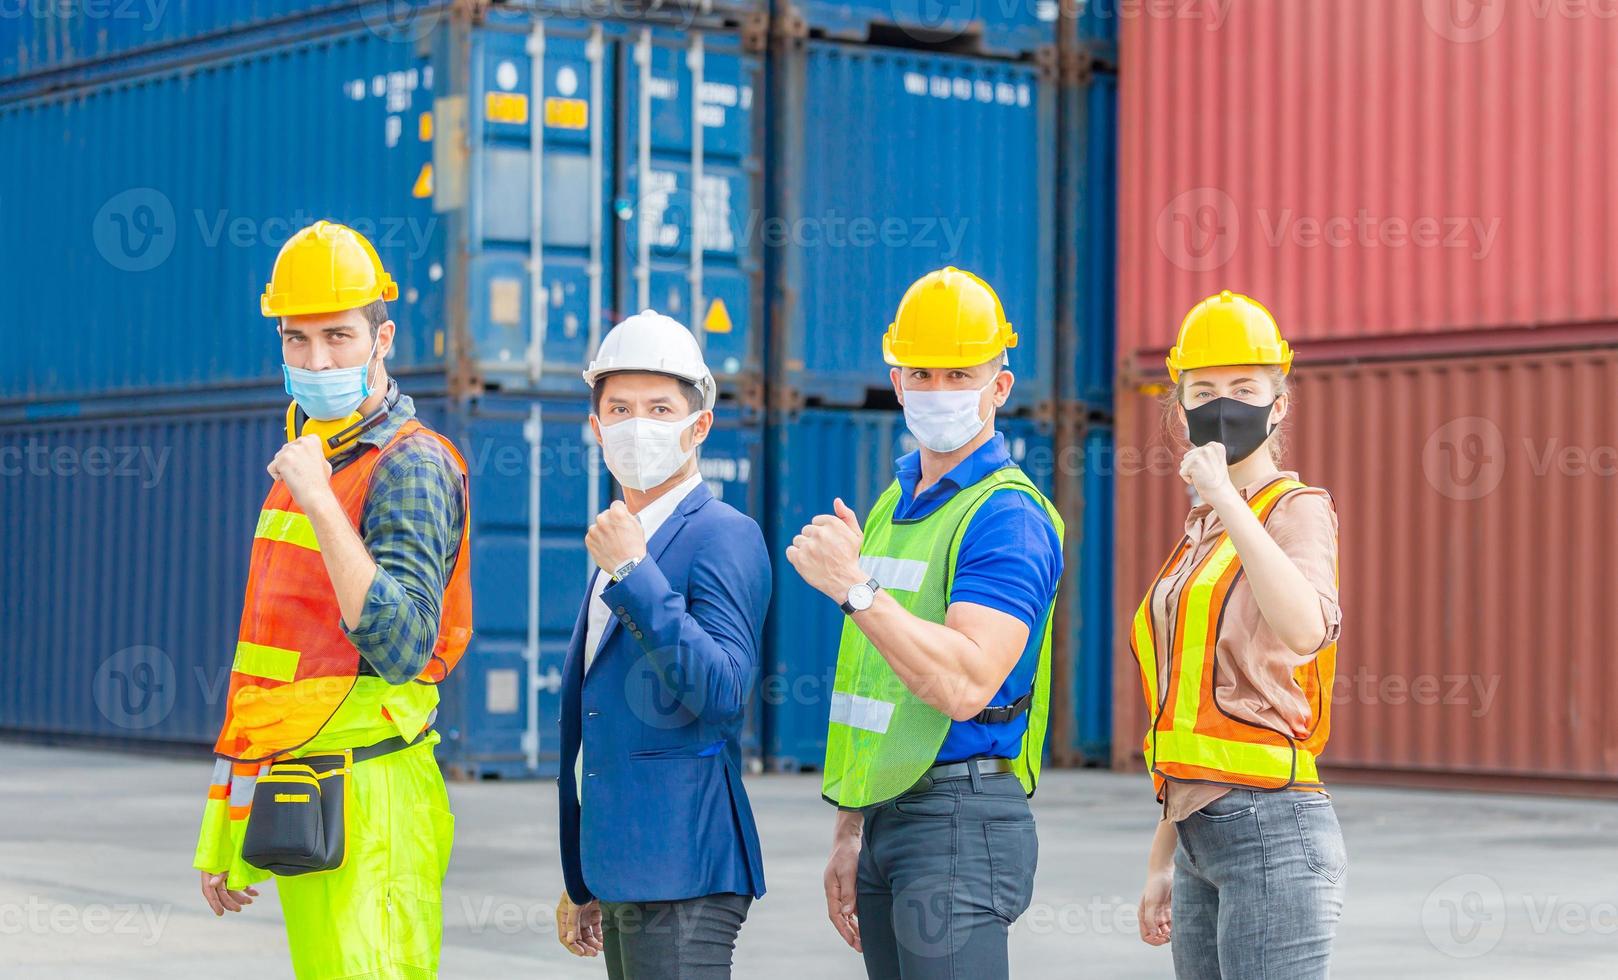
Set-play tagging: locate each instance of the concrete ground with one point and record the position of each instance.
(95, 881)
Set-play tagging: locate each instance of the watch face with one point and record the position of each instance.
(860, 596)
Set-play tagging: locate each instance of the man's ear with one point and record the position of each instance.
(1002, 386)
(384, 338)
(897, 380)
(595, 426)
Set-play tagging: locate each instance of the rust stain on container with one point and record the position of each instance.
(1479, 559)
(1370, 168)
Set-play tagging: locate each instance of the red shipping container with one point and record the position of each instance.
(1479, 560)
(1372, 169)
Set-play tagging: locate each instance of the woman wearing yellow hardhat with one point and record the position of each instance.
(1236, 643)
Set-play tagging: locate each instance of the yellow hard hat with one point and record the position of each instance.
(948, 318)
(324, 268)
(1228, 329)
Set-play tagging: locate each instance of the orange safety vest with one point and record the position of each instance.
(1191, 739)
(294, 666)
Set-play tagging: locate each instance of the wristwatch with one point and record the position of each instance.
(619, 573)
(860, 597)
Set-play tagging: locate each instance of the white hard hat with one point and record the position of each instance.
(650, 341)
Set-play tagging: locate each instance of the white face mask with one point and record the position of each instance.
(944, 421)
(642, 453)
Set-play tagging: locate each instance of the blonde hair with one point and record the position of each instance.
(1175, 398)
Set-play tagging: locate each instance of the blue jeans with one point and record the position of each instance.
(942, 875)
(1258, 887)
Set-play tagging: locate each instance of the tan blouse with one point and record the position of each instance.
(1255, 676)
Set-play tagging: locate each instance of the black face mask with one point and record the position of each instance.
(1240, 426)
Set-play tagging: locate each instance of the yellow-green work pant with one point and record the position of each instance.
(380, 915)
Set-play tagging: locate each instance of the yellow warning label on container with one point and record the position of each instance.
(424, 181)
(567, 113)
(424, 127)
(718, 318)
(506, 107)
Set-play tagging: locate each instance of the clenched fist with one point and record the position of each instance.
(1205, 469)
(827, 552)
(615, 537)
(303, 467)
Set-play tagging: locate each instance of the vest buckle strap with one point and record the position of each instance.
(1003, 713)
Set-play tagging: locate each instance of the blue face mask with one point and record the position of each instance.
(331, 394)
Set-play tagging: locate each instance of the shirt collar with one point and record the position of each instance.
(983, 460)
(380, 434)
(654, 514)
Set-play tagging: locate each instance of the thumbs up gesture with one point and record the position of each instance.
(827, 551)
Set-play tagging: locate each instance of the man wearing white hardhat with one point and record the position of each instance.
(660, 854)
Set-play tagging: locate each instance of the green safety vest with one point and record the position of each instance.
(882, 737)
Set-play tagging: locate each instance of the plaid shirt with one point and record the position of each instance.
(411, 526)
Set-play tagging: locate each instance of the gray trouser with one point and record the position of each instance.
(691, 939)
(1258, 887)
(942, 876)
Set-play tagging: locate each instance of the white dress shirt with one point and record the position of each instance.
(652, 517)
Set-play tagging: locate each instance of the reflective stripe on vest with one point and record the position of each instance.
(1191, 738)
(881, 736)
(294, 665)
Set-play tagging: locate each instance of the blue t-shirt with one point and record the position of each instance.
(1010, 560)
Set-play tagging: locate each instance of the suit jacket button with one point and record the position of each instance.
(620, 610)
(639, 635)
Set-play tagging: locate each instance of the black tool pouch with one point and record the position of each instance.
(297, 824)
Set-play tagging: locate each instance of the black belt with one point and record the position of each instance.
(387, 746)
(945, 771)
(1001, 714)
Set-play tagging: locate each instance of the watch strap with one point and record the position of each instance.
(870, 583)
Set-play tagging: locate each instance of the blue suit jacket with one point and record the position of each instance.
(662, 704)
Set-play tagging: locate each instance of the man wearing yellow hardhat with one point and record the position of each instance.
(358, 602)
(943, 675)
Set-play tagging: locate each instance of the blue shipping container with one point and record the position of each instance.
(501, 706)
(615, 243)
(1098, 23)
(1088, 593)
(815, 456)
(887, 164)
(1090, 203)
(133, 228)
(985, 27)
(155, 208)
(47, 35)
(128, 544)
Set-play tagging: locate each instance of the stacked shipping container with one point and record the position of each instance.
(425, 133)
(457, 136)
(1416, 191)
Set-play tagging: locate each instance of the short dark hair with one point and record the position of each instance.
(376, 314)
(693, 394)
